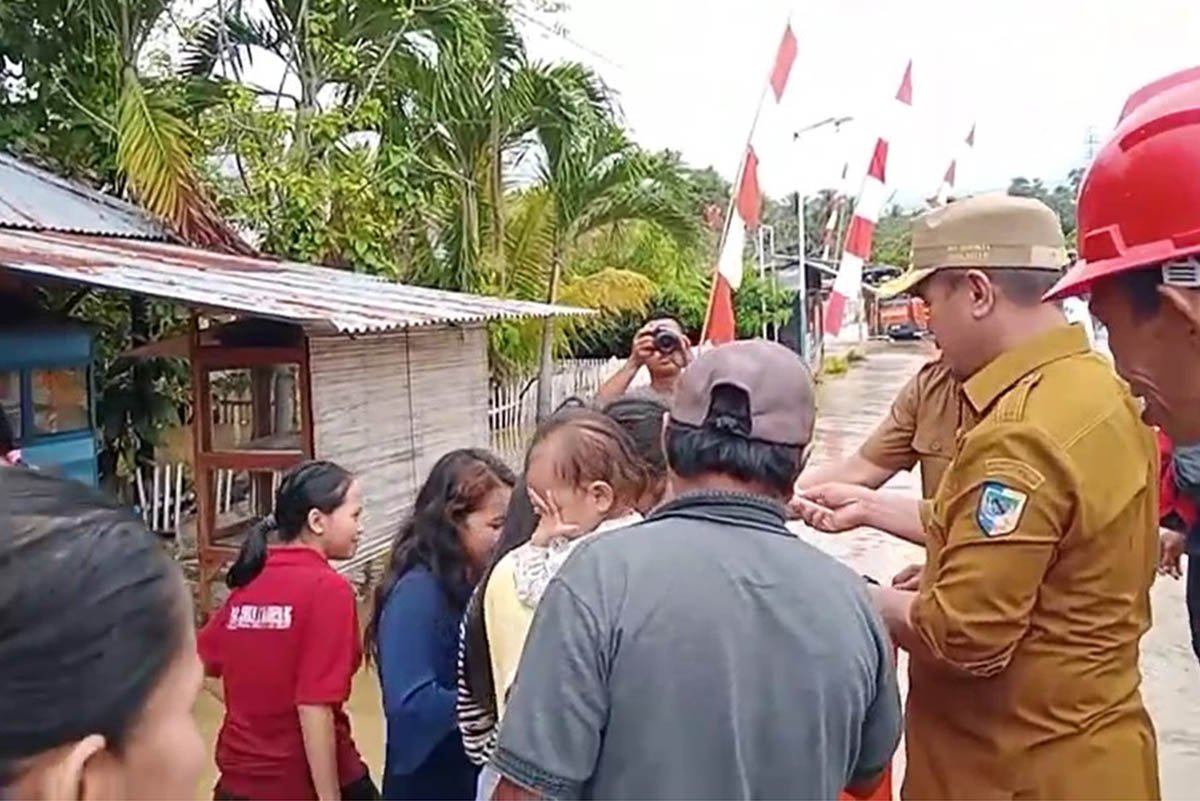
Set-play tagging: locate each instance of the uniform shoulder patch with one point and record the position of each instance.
(1000, 509)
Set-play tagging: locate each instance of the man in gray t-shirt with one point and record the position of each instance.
(708, 653)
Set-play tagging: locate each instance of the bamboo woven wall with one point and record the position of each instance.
(388, 406)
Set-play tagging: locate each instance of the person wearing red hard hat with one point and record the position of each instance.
(1139, 247)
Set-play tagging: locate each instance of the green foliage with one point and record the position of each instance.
(892, 243)
(835, 365)
(1061, 197)
(758, 303)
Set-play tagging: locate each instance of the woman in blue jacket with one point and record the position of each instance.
(438, 555)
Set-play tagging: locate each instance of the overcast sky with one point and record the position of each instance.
(1033, 74)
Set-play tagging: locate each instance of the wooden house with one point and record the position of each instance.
(377, 376)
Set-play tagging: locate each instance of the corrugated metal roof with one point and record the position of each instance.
(319, 298)
(35, 199)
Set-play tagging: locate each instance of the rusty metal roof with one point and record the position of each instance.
(318, 298)
(34, 199)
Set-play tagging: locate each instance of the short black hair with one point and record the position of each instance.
(692, 452)
(721, 446)
(1021, 285)
(92, 614)
(1141, 288)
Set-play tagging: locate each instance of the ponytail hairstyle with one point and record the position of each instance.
(307, 486)
(459, 484)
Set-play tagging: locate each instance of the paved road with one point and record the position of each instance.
(850, 406)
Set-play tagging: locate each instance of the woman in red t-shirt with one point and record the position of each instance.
(286, 646)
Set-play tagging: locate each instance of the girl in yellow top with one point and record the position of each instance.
(641, 420)
(584, 477)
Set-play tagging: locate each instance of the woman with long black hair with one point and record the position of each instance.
(436, 559)
(98, 667)
(286, 646)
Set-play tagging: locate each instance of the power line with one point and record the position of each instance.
(562, 34)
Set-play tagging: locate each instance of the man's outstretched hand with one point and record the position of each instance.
(834, 507)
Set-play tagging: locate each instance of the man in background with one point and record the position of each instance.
(662, 348)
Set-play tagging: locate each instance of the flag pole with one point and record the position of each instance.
(737, 179)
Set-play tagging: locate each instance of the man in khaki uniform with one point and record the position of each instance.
(1041, 540)
(919, 429)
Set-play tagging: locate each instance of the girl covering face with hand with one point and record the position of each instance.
(584, 475)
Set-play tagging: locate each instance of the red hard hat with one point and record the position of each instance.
(1139, 204)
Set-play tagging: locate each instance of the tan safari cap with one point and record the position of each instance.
(776, 382)
(983, 232)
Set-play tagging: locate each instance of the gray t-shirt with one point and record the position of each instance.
(648, 392)
(705, 653)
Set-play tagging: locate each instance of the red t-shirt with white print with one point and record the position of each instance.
(288, 638)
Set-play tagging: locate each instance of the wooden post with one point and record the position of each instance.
(201, 444)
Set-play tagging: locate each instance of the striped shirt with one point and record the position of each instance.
(476, 723)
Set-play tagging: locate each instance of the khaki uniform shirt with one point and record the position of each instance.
(1042, 542)
(920, 427)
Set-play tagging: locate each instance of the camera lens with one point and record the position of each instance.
(665, 341)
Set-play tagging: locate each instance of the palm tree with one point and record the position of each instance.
(148, 123)
(596, 177)
(469, 115)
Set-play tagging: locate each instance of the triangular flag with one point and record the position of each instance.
(729, 263)
(748, 194)
(719, 324)
(785, 57)
(904, 95)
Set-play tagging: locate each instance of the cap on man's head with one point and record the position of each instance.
(777, 384)
(985, 232)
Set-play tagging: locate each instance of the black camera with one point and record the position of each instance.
(665, 340)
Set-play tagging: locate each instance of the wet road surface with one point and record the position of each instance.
(849, 407)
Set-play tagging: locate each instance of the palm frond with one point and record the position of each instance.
(231, 39)
(610, 291)
(154, 157)
(529, 245)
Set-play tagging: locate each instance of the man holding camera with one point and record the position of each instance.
(662, 348)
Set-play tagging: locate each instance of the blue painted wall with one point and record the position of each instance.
(25, 348)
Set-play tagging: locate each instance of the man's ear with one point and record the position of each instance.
(982, 293)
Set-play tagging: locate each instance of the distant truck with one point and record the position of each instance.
(902, 317)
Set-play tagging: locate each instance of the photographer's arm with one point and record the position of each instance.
(618, 384)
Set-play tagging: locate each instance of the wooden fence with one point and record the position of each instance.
(166, 494)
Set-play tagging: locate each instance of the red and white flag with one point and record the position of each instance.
(857, 249)
(837, 205)
(951, 176)
(719, 323)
